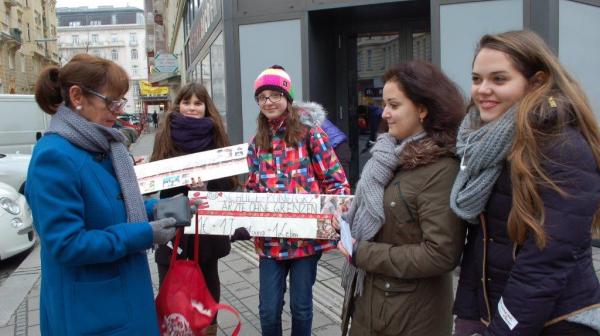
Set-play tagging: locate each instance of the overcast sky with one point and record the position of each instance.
(95, 3)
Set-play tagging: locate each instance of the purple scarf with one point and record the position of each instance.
(192, 135)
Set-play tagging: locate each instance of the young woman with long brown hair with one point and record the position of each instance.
(289, 154)
(530, 187)
(194, 125)
(398, 278)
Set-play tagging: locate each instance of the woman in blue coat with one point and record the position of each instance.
(529, 186)
(87, 208)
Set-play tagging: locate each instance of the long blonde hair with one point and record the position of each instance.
(548, 78)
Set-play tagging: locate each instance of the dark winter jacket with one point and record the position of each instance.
(520, 290)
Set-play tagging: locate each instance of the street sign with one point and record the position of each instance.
(165, 62)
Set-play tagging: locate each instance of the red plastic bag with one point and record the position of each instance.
(184, 304)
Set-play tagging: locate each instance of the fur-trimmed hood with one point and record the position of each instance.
(311, 114)
(423, 152)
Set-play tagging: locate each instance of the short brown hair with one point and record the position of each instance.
(53, 84)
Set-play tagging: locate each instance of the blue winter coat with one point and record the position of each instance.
(95, 275)
(538, 288)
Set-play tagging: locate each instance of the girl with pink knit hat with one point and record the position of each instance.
(290, 153)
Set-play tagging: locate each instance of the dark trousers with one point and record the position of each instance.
(210, 270)
(272, 278)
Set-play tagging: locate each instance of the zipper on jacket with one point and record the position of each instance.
(484, 272)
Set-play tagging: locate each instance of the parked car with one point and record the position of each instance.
(16, 223)
(20, 130)
(131, 135)
(133, 119)
(126, 123)
(13, 170)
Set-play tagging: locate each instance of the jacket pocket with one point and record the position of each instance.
(392, 304)
(100, 307)
(393, 286)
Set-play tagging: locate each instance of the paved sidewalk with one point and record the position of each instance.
(239, 287)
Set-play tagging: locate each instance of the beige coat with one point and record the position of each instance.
(408, 287)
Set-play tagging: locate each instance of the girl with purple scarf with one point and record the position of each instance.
(194, 125)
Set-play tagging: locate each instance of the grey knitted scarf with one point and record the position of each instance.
(366, 214)
(99, 139)
(483, 150)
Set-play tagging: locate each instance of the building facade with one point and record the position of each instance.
(114, 33)
(337, 50)
(27, 43)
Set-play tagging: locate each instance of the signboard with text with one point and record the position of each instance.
(308, 216)
(189, 169)
(166, 62)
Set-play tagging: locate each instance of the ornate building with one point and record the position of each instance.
(114, 33)
(27, 43)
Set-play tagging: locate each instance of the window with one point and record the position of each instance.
(95, 23)
(369, 60)
(94, 38)
(114, 55)
(22, 63)
(134, 70)
(205, 74)
(217, 65)
(74, 24)
(132, 37)
(11, 60)
(113, 37)
(134, 54)
(75, 39)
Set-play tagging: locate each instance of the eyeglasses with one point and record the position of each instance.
(112, 105)
(274, 98)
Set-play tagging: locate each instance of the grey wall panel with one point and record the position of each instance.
(262, 45)
(579, 46)
(461, 26)
(249, 8)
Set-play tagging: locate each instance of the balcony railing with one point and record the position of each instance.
(11, 3)
(12, 38)
(16, 34)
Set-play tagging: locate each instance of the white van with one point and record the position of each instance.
(22, 123)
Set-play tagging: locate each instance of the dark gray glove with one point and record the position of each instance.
(240, 234)
(163, 230)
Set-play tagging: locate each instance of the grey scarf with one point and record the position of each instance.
(483, 150)
(99, 139)
(366, 214)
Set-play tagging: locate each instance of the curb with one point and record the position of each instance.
(15, 289)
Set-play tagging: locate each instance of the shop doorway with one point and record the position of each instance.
(350, 49)
(375, 54)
